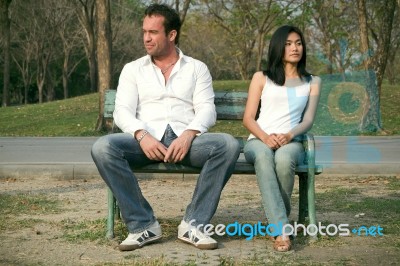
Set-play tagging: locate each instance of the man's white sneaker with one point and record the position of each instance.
(195, 237)
(138, 240)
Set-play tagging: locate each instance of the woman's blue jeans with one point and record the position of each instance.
(215, 153)
(275, 171)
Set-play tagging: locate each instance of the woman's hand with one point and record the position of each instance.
(284, 138)
(272, 141)
(275, 141)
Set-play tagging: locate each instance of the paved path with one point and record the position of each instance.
(69, 157)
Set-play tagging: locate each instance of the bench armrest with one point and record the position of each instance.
(309, 148)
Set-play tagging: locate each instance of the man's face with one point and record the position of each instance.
(154, 38)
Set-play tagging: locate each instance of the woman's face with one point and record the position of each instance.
(293, 48)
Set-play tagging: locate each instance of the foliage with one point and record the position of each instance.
(50, 51)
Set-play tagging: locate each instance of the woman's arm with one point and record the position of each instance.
(249, 118)
(311, 109)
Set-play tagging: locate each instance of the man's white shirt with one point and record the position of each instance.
(144, 101)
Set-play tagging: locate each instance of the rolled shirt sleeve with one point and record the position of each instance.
(203, 101)
(126, 102)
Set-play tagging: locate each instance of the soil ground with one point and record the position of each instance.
(43, 242)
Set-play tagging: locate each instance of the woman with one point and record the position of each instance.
(289, 98)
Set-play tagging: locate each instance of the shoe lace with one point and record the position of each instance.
(194, 233)
(146, 233)
(139, 235)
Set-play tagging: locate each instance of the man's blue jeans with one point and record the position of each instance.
(275, 171)
(214, 153)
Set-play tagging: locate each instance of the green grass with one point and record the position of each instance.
(71, 117)
(234, 85)
(77, 232)
(12, 206)
(390, 108)
(386, 211)
(94, 230)
(27, 204)
(77, 116)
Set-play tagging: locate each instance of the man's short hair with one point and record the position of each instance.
(172, 20)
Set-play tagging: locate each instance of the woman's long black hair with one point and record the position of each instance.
(275, 70)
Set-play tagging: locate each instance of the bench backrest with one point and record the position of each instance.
(229, 104)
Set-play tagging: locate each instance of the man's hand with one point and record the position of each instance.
(153, 148)
(180, 147)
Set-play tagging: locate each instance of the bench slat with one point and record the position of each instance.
(109, 103)
(240, 168)
(230, 105)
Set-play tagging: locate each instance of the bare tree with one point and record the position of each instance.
(334, 36)
(35, 42)
(22, 52)
(23, 61)
(85, 10)
(393, 68)
(380, 25)
(247, 22)
(46, 19)
(127, 38)
(370, 114)
(5, 36)
(182, 12)
(375, 64)
(212, 50)
(103, 54)
(70, 35)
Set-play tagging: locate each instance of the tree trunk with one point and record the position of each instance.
(391, 73)
(5, 32)
(371, 119)
(40, 84)
(382, 53)
(85, 13)
(93, 67)
(183, 12)
(104, 44)
(42, 65)
(65, 74)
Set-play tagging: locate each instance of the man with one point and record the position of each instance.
(164, 106)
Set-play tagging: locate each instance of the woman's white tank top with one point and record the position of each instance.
(282, 107)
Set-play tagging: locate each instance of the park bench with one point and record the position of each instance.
(230, 106)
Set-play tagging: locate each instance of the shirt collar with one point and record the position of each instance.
(183, 57)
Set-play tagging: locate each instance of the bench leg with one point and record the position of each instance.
(117, 211)
(310, 158)
(303, 203)
(307, 201)
(311, 200)
(111, 213)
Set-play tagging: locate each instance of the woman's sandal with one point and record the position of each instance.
(282, 244)
(270, 237)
